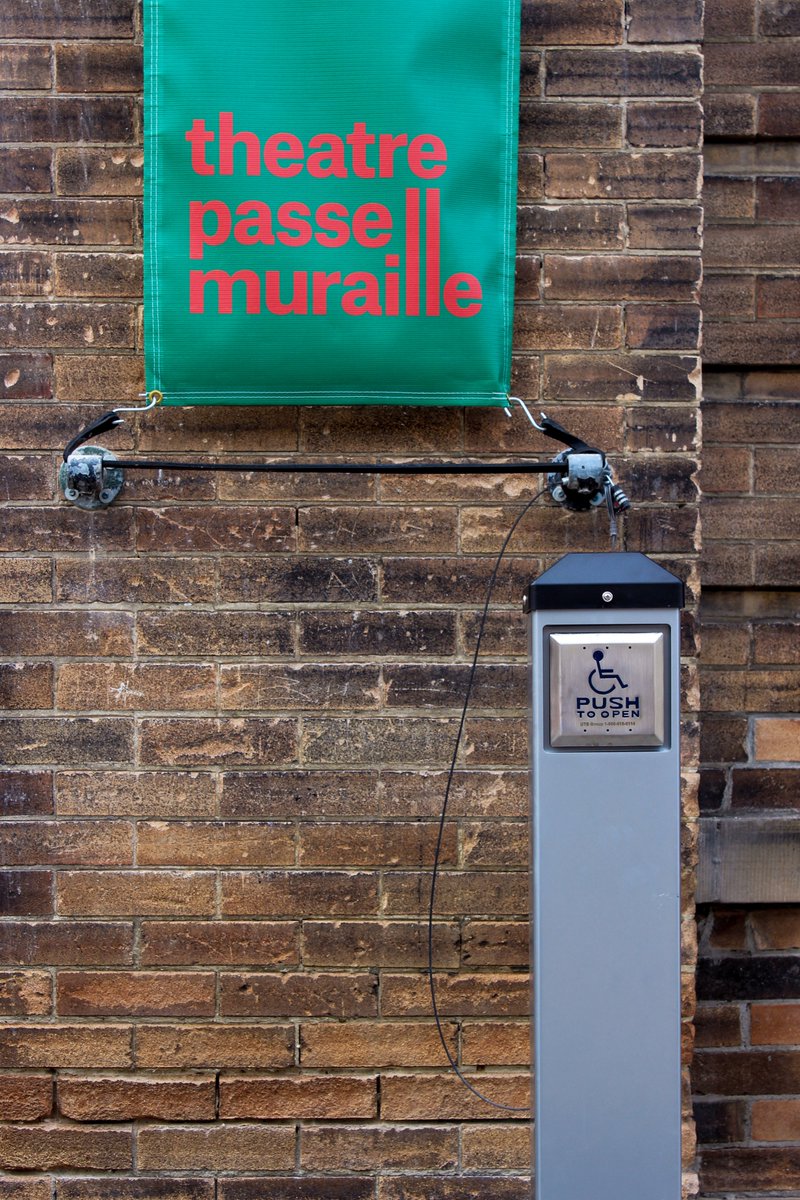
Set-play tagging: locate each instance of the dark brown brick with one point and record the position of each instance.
(765, 64)
(443, 686)
(663, 327)
(623, 73)
(373, 741)
(778, 296)
(67, 326)
(306, 1188)
(28, 741)
(430, 1187)
(622, 277)
(299, 578)
(259, 944)
(665, 20)
(717, 1025)
(26, 478)
(779, 18)
(26, 893)
(66, 633)
(67, 222)
(135, 794)
(98, 274)
(58, 119)
(769, 342)
(778, 199)
(135, 893)
(184, 527)
(227, 632)
(206, 741)
(676, 124)
(530, 176)
(396, 944)
(750, 1168)
(26, 685)
(342, 529)
(776, 117)
(299, 686)
(554, 123)
(377, 633)
(658, 173)
(589, 22)
(86, 171)
(26, 793)
(68, 18)
(571, 227)
(720, 1121)
(729, 296)
(770, 789)
(61, 843)
(730, 114)
(363, 1148)
(300, 794)
(25, 993)
(298, 893)
(148, 1188)
(27, 169)
(25, 66)
(664, 227)
(98, 67)
(568, 327)
(151, 580)
(214, 843)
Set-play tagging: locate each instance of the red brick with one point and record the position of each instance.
(127, 1098)
(224, 943)
(64, 1046)
(311, 1097)
(135, 893)
(25, 1097)
(135, 993)
(25, 993)
(236, 1047)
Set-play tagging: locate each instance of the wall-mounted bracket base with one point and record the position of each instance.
(85, 482)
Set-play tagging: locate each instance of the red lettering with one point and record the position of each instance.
(437, 151)
(392, 286)
(432, 252)
(283, 146)
(228, 139)
(198, 238)
(198, 135)
(386, 148)
(293, 216)
(412, 252)
(320, 165)
(329, 218)
(299, 301)
(369, 217)
(459, 290)
(224, 282)
(359, 139)
(364, 300)
(320, 286)
(257, 228)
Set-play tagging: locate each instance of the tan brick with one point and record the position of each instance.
(777, 739)
(20, 1188)
(26, 685)
(377, 943)
(311, 1097)
(217, 1148)
(456, 995)
(775, 1120)
(25, 1097)
(496, 1148)
(135, 993)
(135, 893)
(53, 1147)
(363, 844)
(127, 1098)
(25, 581)
(442, 1097)
(496, 1043)
(775, 1024)
(236, 1047)
(372, 1044)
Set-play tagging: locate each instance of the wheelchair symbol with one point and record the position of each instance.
(601, 672)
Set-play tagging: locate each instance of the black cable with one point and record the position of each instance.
(450, 775)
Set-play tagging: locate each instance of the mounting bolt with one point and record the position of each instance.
(607, 597)
(84, 480)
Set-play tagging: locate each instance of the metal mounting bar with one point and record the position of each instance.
(372, 468)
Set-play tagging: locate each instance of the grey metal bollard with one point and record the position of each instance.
(606, 878)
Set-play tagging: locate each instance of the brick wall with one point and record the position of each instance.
(748, 1033)
(232, 699)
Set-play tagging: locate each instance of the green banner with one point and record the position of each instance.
(330, 201)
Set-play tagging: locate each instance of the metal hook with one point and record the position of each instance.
(527, 412)
(153, 400)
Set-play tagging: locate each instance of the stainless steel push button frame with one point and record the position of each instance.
(608, 688)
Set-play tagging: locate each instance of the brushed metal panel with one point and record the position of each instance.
(608, 688)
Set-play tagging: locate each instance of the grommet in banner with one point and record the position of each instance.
(155, 397)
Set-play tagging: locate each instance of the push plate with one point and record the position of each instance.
(608, 688)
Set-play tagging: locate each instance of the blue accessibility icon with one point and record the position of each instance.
(604, 673)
